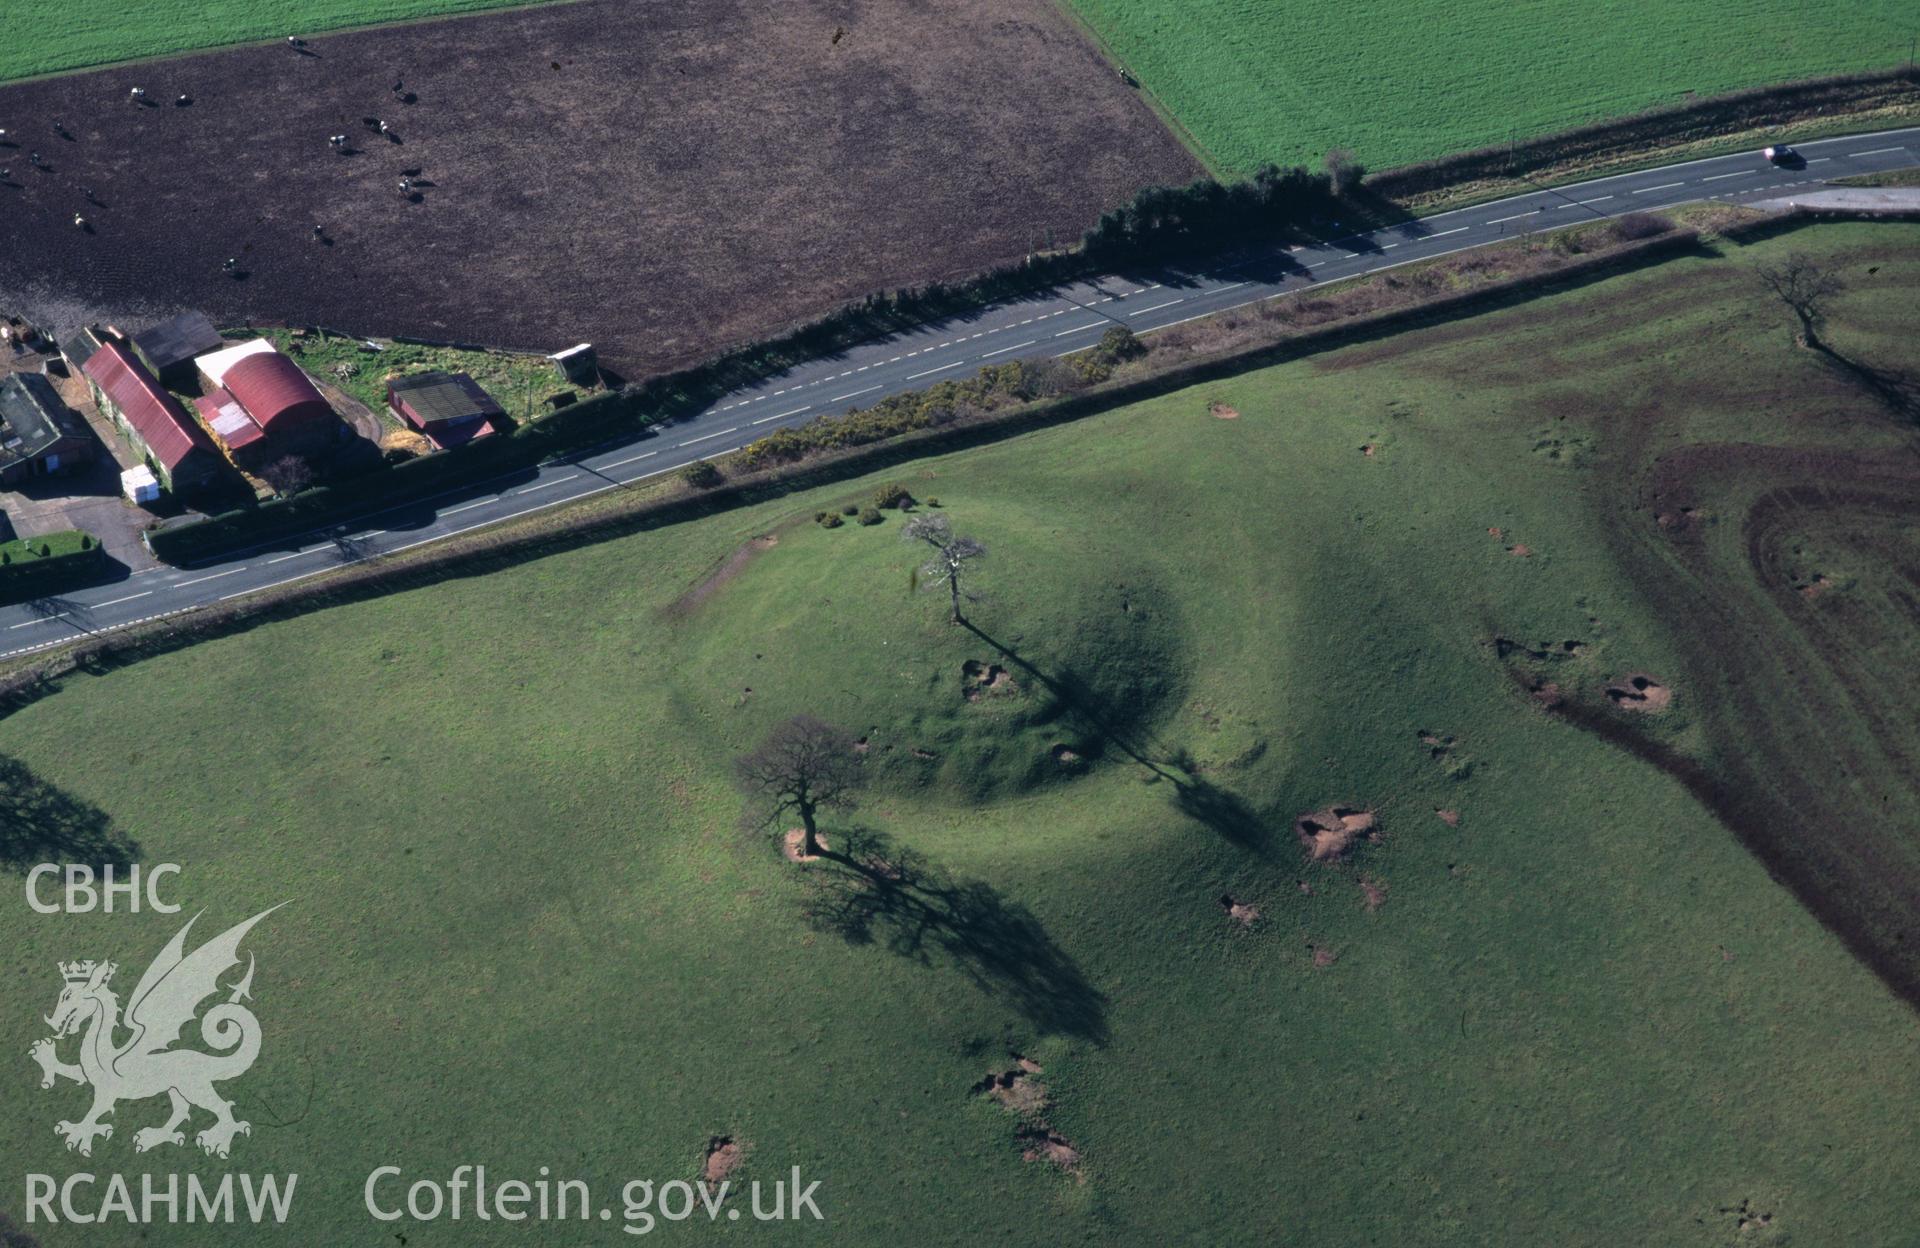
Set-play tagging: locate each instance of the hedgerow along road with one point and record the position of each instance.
(1056, 323)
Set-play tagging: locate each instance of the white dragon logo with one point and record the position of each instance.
(163, 1002)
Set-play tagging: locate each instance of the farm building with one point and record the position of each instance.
(261, 406)
(181, 454)
(448, 409)
(213, 365)
(39, 434)
(170, 348)
(232, 428)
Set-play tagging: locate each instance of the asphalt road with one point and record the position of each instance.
(1058, 323)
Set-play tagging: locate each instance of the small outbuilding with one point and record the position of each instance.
(170, 348)
(39, 434)
(448, 409)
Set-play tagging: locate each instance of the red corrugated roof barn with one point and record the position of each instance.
(153, 418)
(274, 391)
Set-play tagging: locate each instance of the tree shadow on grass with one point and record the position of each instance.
(1227, 813)
(1894, 389)
(869, 890)
(41, 823)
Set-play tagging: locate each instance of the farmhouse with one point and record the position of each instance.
(169, 348)
(179, 451)
(39, 434)
(448, 409)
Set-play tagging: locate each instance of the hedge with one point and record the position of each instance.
(354, 499)
(1703, 118)
(35, 567)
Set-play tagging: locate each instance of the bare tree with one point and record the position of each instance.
(288, 475)
(1805, 287)
(803, 767)
(1343, 171)
(951, 554)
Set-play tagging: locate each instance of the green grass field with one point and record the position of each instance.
(1254, 81)
(77, 34)
(525, 928)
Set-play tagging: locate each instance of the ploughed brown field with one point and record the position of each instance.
(664, 179)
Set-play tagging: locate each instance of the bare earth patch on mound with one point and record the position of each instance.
(1374, 891)
(1223, 412)
(979, 678)
(1449, 817)
(1044, 1143)
(1239, 911)
(1641, 692)
(791, 842)
(1328, 835)
(724, 1154)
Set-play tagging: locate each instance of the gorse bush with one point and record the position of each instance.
(871, 515)
(892, 495)
(991, 389)
(701, 476)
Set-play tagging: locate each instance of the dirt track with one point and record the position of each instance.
(661, 178)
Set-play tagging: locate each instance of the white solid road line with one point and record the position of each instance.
(852, 393)
(1665, 186)
(451, 511)
(202, 580)
(1878, 151)
(705, 437)
(631, 459)
(545, 485)
(795, 412)
(101, 606)
(930, 372)
(1015, 347)
(1737, 173)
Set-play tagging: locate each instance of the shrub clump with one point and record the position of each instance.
(1635, 225)
(871, 515)
(701, 476)
(892, 496)
(829, 520)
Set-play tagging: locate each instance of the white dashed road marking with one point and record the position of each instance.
(708, 436)
(204, 579)
(1015, 347)
(836, 398)
(1665, 186)
(930, 372)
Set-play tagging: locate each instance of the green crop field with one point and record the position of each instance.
(1552, 1000)
(77, 34)
(1254, 81)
